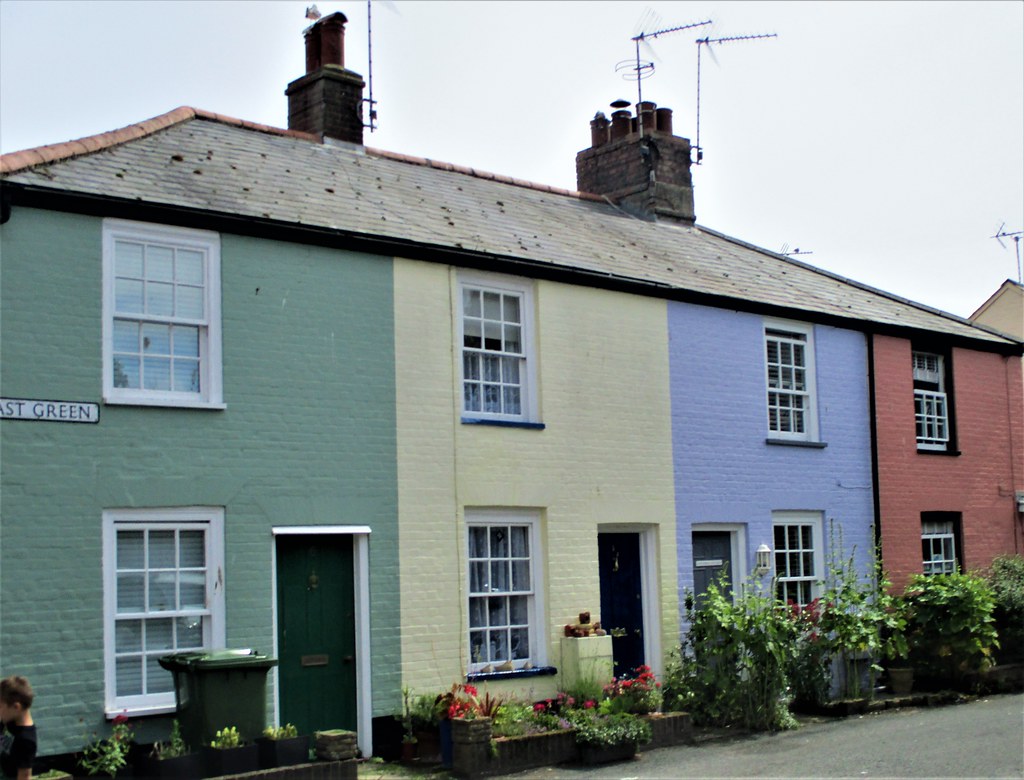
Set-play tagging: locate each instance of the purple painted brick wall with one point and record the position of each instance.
(724, 470)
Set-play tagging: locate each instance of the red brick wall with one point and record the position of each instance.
(979, 483)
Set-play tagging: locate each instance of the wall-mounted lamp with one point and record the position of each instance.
(763, 561)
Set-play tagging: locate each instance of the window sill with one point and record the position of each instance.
(947, 453)
(140, 712)
(515, 674)
(814, 445)
(164, 403)
(503, 423)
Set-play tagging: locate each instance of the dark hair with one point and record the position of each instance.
(16, 690)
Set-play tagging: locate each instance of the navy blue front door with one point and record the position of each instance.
(622, 604)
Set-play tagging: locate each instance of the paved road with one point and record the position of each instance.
(983, 738)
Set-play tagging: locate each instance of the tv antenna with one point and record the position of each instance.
(1015, 235)
(793, 252)
(641, 69)
(701, 42)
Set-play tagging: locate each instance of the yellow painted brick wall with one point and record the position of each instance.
(604, 457)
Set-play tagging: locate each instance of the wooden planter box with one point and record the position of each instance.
(282, 752)
(232, 761)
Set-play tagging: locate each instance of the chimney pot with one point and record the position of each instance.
(599, 130)
(622, 124)
(325, 42)
(645, 116)
(663, 120)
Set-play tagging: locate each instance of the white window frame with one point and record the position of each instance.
(782, 331)
(931, 406)
(940, 537)
(493, 283)
(490, 518)
(210, 394)
(801, 520)
(208, 519)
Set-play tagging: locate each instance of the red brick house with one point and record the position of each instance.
(949, 444)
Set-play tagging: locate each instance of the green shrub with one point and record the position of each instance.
(598, 730)
(950, 625)
(1006, 578)
(732, 667)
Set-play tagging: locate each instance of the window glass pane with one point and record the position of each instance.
(513, 339)
(160, 298)
(192, 589)
(497, 614)
(477, 647)
(189, 267)
(159, 263)
(471, 334)
(163, 553)
(492, 306)
(477, 542)
(126, 372)
(130, 592)
(189, 632)
(499, 542)
(520, 535)
(492, 398)
(160, 634)
(186, 376)
(128, 636)
(189, 302)
(128, 259)
(126, 336)
(130, 550)
(492, 336)
(129, 676)
(158, 679)
(470, 366)
(478, 577)
(499, 646)
(520, 575)
(519, 608)
(471, 397)
(499, 576)
(471, 302)
(161, 591)
(192, 548)
(156, 339)
(186, 341)
(511, 309)
(477, 613)
(520, 643)
(157, 373)
(128, 296)
(492, 369)
(511, 400)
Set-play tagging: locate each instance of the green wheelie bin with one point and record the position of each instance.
(219, 688)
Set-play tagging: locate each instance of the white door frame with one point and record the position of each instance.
(361, 596)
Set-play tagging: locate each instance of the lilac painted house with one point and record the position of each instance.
(772, 447)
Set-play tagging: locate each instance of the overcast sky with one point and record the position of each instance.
(885, 138)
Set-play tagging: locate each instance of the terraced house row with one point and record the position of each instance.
(272, 388)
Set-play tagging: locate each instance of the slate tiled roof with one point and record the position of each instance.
(200, 161)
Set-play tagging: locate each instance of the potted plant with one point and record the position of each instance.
(227, 755)
(170, 759)
(282, 746)
(109, 756)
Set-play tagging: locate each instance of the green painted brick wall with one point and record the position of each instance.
(308, 437)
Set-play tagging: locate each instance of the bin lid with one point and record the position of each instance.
(217, 659)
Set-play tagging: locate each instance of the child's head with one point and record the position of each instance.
(15, 694)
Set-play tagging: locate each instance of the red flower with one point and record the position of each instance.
(589, 704)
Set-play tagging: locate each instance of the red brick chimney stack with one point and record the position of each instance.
(648, 173)
(328, 100)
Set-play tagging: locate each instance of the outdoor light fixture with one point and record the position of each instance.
(764, 560)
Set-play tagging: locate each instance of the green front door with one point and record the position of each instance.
(316, 632)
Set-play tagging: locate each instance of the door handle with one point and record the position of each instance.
(348, 659)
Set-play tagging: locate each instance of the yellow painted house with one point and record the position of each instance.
(526, 476)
